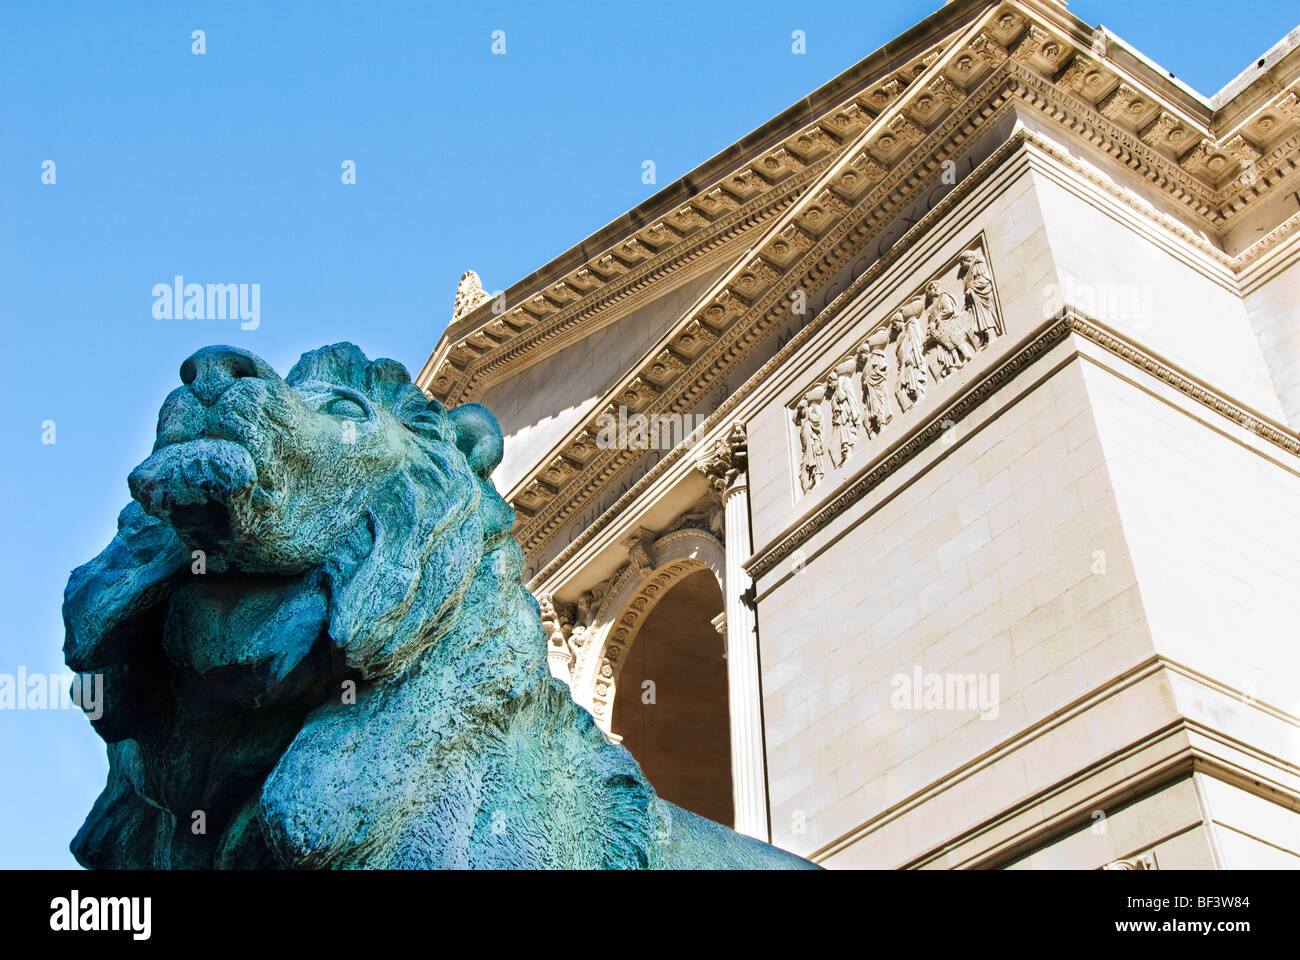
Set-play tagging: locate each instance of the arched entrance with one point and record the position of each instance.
(671, 711)
(600, 683)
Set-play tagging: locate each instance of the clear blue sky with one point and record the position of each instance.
(226, 168)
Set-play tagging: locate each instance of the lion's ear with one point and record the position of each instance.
(478, 436)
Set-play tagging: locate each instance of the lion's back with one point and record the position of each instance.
(691, 842)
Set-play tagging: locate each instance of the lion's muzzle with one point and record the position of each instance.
(192, 485)
(203, 467)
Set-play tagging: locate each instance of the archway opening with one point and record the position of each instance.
(671, 709)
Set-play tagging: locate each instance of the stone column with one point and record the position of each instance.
(726, 468)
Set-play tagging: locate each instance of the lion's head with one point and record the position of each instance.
(344, 466)
(286, 535)
(317, 649)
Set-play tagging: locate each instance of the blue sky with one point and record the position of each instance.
(226, 168)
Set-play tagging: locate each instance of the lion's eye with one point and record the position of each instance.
(345, 407)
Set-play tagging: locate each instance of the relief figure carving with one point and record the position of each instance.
(808, 421)
(845, 417)
(940, 327)
(947, 329)
(905, 326)
(877, 410)
(985, 324)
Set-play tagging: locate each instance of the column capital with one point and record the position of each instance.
(726, 464)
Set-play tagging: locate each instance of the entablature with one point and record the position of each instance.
(814, 193)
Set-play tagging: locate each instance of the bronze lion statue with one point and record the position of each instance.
(318, 651)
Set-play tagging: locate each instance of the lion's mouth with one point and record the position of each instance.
(192, 482)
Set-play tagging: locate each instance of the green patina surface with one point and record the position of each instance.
(318, 651)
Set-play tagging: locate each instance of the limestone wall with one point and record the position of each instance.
(1115, 554)
(1212, 519)
(1163, 295)
(981, 565)
(1274, 309)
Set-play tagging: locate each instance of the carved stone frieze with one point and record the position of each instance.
(812, 450)
(707, 516)
(873, 368)
(935, 331)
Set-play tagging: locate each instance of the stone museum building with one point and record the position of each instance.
(916, 483)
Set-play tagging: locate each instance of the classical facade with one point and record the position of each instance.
(916, 483)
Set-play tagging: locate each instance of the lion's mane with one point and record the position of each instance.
(321, 654)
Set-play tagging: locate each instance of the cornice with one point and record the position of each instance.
(828, 211)
(753, 297)
(1215, 163)
(732, 406)
(483, 344)
(817, 141)
(524, 336)
(1269, 255)
(829, 114)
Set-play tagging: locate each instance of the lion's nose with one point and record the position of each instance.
(211, 371)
